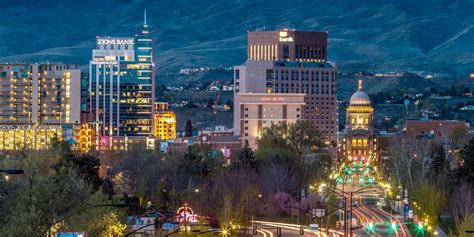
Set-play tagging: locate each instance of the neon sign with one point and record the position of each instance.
(186, 214)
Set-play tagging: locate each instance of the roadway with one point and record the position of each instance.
(368, 211)
(289, 230)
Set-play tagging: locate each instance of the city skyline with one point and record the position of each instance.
(341, 120)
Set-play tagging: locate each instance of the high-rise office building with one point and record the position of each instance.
(121, 85)
(164, 122)
(289, 61)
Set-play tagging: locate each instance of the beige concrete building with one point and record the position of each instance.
(259, 110)
(40, 94)
(290, 61)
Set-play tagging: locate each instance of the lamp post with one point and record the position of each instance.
(343, 194)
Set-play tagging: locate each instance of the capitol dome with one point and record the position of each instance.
(360, 97)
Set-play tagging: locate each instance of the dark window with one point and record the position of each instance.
(286, 52)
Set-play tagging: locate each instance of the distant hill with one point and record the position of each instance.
(380, 35)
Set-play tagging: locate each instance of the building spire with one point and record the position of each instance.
(144, 17)
(359, 86)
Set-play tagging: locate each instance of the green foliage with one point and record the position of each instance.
(300, 138)
(245, 158)
(107, 225)
(430, 201)
(462, 227)
(466, 166)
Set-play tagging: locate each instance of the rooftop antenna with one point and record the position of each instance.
(144, 16)
(359, 82)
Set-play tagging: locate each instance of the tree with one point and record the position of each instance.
(462, 202)
(462, 227)
(107, 225)
(87, 166)
(423, 150)
(188, 129)
(466, 164)
(245, 158)
(301, 137)
(431, 202)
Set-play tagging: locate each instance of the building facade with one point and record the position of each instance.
(165, 125)
(360, 142)
(288, 45)
(359, 166)
(257, 111)
(317, 80)
(39, 94)
(121, 85)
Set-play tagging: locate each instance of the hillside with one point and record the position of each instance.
(379, 35)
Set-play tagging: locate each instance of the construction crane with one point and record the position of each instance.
(216, 102)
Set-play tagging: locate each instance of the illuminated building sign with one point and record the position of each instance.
(284, 37)
(273, 99)
(115, 41)
(104, 62)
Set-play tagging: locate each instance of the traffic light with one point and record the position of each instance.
(301, 230)
(338, 225)
(394, 225)
(420, 225)
(370, 226)
(278, 231)
(254, 230)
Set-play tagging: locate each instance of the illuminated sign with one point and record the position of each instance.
(273, 99)
(114, 41)
(284, 37)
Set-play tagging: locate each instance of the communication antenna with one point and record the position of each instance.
(144, 17)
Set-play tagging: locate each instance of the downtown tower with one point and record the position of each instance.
(121, 85)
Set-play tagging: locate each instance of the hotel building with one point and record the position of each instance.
(121, 85)
(289, 61)
(259, 110)
(37, 102)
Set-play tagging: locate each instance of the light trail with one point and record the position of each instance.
(295, 227)
(402, 228)
(265, 232)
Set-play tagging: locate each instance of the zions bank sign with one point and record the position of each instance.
(105, 41)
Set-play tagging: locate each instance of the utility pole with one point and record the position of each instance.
(350, 220)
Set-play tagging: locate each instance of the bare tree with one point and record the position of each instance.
(423, 153)
(462, 202)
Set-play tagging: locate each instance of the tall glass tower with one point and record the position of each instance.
(122, 83)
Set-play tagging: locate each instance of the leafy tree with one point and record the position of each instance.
(466, 166)
(463, 226)
(431, 202)
(301, 137)
(87, 166)
(245, 158)
(107, 225)
(188, 129)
